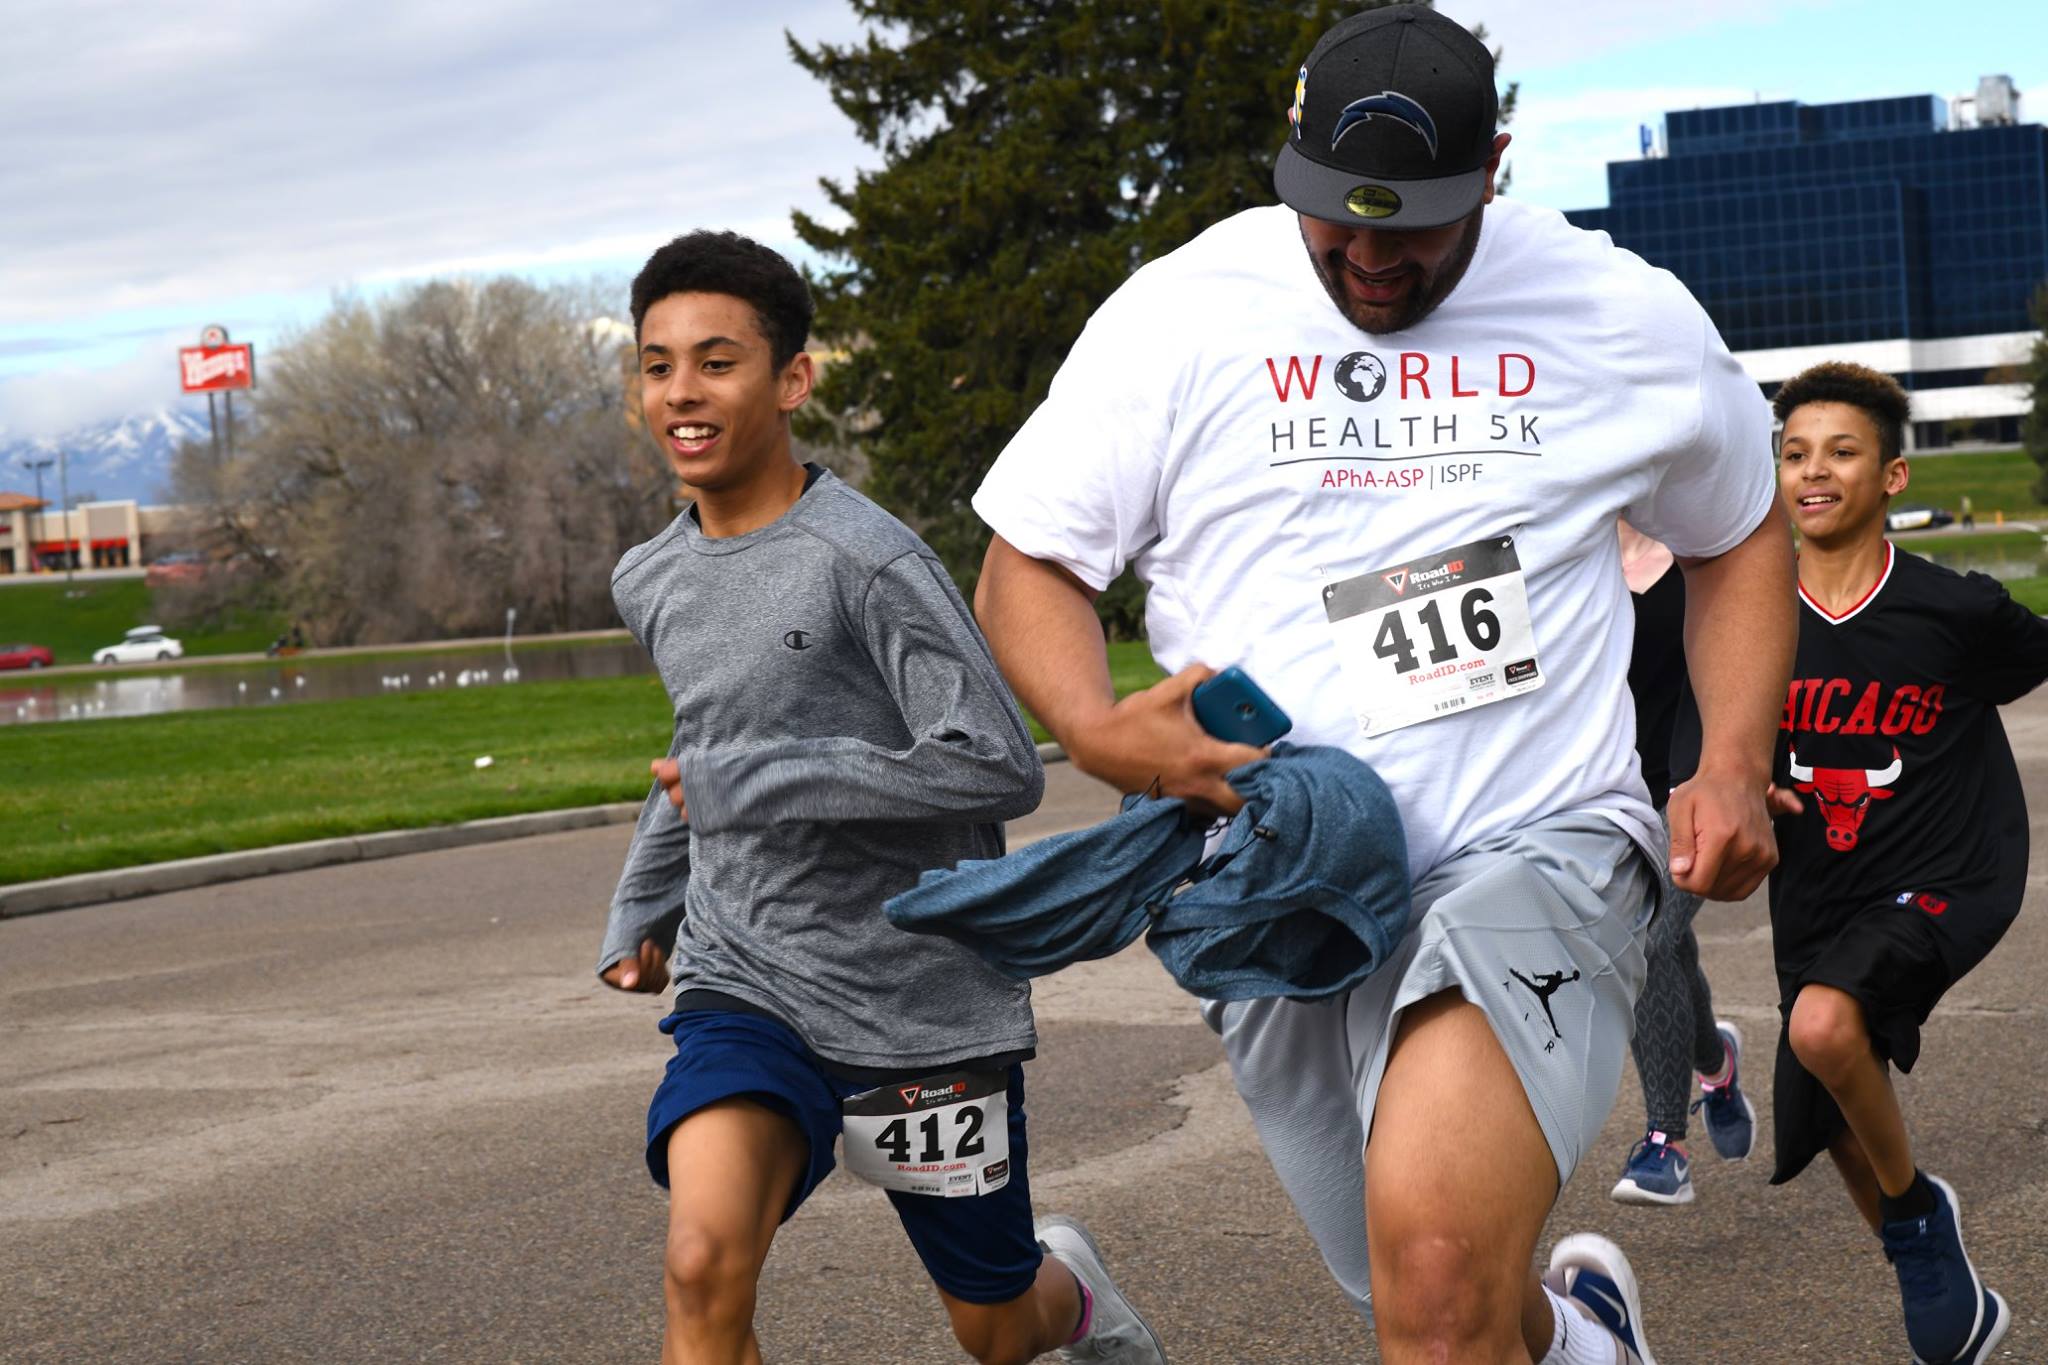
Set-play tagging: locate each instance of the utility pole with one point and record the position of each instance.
(64, 486)
(42, 513)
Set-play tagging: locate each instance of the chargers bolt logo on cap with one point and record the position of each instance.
(1388, 104)
(1300, 97)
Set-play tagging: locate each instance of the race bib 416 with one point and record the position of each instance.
(1434, 636)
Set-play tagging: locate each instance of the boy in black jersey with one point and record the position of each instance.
(1909, 859)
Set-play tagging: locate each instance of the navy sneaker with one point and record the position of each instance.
(1950, 1316)
(1590, 1270)
(1990, 1331)
(1657, 1173)
(1730, 1117)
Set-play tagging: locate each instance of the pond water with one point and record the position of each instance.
(284, 681)
(2000, 561)
(281, 682)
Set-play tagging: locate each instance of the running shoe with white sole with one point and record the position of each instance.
(1950, 1315)
(1590, 1270)
(1730, 1117)
(1116, 1334)
(1658, 1172)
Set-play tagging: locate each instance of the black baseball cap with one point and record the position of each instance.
(1393, 122)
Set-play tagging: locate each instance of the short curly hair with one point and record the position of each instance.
(1874, 393)
(727, 263)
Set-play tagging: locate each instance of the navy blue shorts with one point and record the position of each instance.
(980, 1249)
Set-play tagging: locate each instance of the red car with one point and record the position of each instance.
(25, 656)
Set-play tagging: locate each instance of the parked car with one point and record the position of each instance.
(25, 656)
(1917, 517)
(143, 644)
(180, 566)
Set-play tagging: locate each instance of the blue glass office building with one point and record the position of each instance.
(1874, 231)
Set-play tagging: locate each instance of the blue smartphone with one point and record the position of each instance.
(1235, 709)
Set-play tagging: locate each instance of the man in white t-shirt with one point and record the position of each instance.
(1383, 474)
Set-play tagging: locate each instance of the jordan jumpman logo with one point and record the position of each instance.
(1544, 986)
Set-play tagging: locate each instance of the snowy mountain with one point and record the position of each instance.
(129, 457)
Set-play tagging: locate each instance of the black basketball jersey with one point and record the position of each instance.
(1891, 736)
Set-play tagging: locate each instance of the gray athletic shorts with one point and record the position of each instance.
(1542, 928)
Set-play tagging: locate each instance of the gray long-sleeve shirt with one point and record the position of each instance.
(840, 729)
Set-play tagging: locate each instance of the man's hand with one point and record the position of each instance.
(1722, 846)
(1151, 741)
(669, 774)
(646, 973)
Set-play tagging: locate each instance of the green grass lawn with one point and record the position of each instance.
(1967, 541)
(1996, 480)
(99, 611)
(1131, 668)
(87, 795)
(2030, 592)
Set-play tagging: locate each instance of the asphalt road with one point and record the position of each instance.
(384, 1112)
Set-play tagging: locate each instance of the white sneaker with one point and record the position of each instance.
(1116, 1333)
(1590, 1270)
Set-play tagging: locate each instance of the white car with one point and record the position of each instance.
(144, 644)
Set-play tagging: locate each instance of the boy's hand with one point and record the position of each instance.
(669, 774)
(645, 974)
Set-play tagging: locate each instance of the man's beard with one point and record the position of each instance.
(1422, 298)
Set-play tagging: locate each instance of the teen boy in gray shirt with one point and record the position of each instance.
(839, 729)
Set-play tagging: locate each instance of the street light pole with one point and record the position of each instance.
(42, 514)
(64, 492)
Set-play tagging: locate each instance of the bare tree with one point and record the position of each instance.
(415, 466)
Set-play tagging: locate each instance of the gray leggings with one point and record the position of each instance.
(1674, 1015)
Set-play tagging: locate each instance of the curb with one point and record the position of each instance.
(151, 879)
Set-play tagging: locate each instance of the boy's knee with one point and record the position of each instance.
(1444, 1295)
(708, 1275)
(1826, 1032)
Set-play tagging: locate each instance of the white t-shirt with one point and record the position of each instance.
(1224, 428)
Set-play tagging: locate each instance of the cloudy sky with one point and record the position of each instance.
(166, 167)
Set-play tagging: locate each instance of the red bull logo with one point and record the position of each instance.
(1845, 794)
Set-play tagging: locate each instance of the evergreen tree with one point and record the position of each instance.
(2034, 430)
(1035, 155)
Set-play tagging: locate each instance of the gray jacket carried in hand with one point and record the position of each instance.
(1304, 896)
